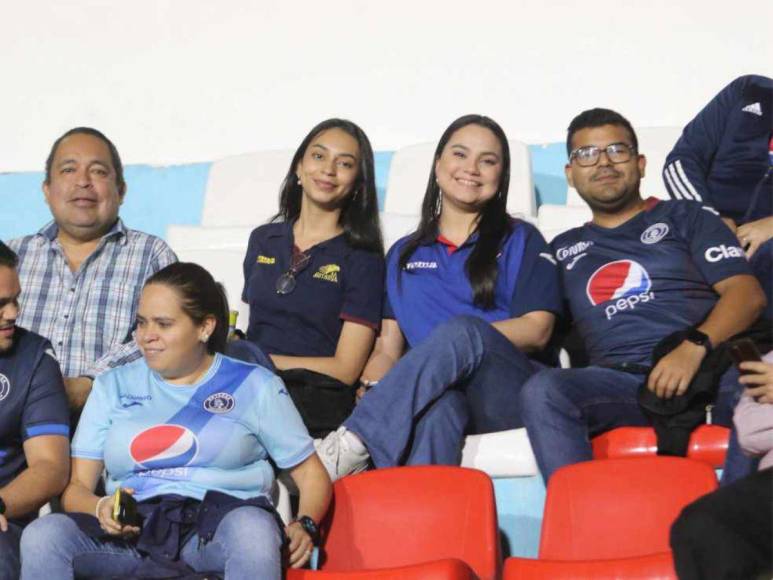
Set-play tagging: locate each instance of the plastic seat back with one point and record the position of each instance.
(652, 567)
(708, 443)
(449, 569)
(556, 219)
(618, 508)
(500, 454)
(243, 190)
(409, 515)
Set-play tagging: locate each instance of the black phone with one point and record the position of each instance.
(125, 509)
(744, 350)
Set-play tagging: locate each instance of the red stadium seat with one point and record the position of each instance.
(652, 567)
(618, 508)
(611, 519)
(448, 569)
(708, 443)
(410, 522)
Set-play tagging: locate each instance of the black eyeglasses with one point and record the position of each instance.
(589, 155)
(286, 282)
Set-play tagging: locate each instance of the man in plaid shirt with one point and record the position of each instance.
(83, 272)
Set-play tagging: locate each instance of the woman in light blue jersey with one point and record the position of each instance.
(187, 433)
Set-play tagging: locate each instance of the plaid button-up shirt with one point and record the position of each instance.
(87, 315)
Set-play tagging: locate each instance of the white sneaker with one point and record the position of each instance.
(340, 453)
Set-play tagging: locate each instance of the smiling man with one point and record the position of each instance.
(82, 273)
(649, 269)
(34, 421)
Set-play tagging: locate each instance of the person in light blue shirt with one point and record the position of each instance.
(189, 433)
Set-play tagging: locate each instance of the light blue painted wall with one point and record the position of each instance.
(159, 196)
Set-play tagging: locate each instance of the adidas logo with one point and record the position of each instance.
(754, 108)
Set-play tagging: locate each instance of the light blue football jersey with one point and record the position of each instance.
(159, 438)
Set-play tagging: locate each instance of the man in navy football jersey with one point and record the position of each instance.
(638, 272)
(34, 421)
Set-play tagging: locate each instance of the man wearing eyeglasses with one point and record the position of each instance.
(640, 271)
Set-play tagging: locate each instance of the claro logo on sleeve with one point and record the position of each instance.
(718, 253)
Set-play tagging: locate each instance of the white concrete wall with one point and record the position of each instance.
(176, 81)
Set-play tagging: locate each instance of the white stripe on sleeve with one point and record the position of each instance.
(673, 179)
(686, 181)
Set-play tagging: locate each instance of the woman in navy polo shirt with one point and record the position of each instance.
(473, 293)
(314, 278)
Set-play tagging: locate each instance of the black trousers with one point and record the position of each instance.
(727, 533)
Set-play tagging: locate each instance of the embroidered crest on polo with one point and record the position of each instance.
(654, 233)
(5, 386)
(328, 272)
(219, 403)
(421, 265)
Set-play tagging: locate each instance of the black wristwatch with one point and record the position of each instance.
(2, 506)
(695, 336)
(311, 528)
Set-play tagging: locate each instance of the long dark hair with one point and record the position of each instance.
(359, 214)
(200, 296)
(493, 222)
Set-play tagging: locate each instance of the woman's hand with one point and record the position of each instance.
(754, 234)
(364, 386)
(759, 381)
(301, 545)
(104, 513)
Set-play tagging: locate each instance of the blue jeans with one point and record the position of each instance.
(464, 377)
(564, 408)
(9, 552)
(247, 544)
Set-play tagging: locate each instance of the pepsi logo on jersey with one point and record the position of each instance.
(625, 282)
(164, 446)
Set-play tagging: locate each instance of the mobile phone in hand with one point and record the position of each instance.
(125, 509)
(744, 350)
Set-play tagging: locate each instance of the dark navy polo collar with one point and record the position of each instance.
(286, 231)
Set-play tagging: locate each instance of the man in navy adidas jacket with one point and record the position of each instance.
(724, 158)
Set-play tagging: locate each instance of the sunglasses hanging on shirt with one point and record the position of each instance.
(286, 282)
